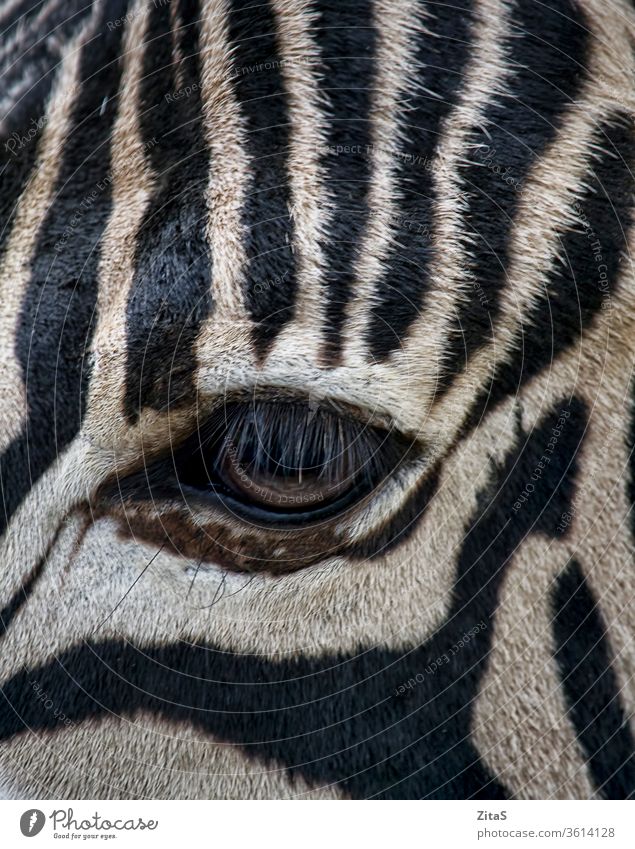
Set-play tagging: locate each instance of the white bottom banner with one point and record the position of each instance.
(313, 824)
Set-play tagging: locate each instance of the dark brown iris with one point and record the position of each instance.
(281, 487)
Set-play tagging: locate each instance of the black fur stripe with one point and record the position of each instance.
(57, 317)
(442, 52)
(170, 294)
(347, 38)
(586, 282)
(17, 161)
(20, 16)
(584, 655)
(351, 719)
(270, 277)
(631, 450)
(547, 50)
(38, 32)
(35, 61)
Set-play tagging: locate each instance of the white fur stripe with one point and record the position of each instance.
(176, 23)
(422, 352)
(299, 56)
(396, 69)
(597, 529)
(521, 728)
(229, 166)
(183, 762)
(227, 333)
(132, 182)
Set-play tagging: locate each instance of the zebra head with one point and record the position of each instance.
(317, 336)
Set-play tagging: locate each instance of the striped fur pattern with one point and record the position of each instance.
(411, 214)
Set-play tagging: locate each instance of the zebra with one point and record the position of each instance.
(317, 341)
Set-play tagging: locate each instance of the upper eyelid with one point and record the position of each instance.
(155, 444)
(208, 405)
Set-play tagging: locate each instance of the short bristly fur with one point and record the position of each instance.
(377, 253)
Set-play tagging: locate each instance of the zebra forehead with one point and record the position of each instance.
(273, 188)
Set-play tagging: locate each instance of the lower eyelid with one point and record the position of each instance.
(270, 520)
(193, 531)
(178, 520)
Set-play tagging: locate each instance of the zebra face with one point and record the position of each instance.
(316, 338)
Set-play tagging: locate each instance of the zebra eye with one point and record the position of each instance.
(280, 459)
